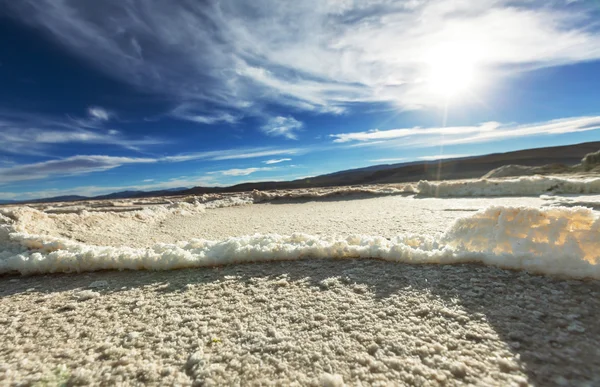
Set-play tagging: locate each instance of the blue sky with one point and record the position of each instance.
(105, 96)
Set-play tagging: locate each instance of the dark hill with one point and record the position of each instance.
(451, 169)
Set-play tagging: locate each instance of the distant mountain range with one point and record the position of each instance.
(446, 169)
(114, 195)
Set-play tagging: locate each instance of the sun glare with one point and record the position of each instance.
(451, 70)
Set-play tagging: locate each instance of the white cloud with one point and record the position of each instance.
(191, 113)
(442, 157)
(99, 113)
(282, 126)
(488, 131)
(376, 134)
(32, 134)
(244, 171)
(276, 161)
(92, 190)
(363, 144)
(81, 164)
(313, 54)
(236, 155)
(209, 120)
(10, 196)
(6, 161)
(16, 140)
(233, 154)
(75, 165)
(391, 160)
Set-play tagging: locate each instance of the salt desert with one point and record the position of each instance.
(299, 193)
(466, 282)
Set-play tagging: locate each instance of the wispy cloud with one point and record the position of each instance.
(5, 161)
(189, 112)
(391, 160)
(92, 190)
(276, 161)
(34, 140)
(234, 154)
(488, 131)
(75, 165)
(243, 171)
(282, 126)
(81, 164)
(11, 196)
(32, 134)
(99, 113)
(96, 118)
(312, 55)
(376, 134)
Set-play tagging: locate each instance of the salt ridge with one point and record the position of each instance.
(264, 196)
(555, 241)
(525, 185)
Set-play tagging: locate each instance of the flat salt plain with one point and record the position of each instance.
(297, 322)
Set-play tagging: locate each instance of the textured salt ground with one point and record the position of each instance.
(301, 323)
(384, 216)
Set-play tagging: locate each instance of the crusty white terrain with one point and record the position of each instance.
(311, 321)
(292, 323)
(524, 185)
(555, 240)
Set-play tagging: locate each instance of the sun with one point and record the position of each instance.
(451, 70)
(451, 79)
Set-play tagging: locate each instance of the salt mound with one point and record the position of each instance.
(510, 170)
(230, 201)
(591, 161)
(522, 186)
(522, 170)
(320, 193)
(558, 241)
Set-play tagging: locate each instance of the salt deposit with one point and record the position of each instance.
(521, 186)
(302, 323)
(141, 209)
(155, 209)
(522, 170)
(320, 193)
(527, 185)
(48, 218)
(590, 201)
(231, 201)
(557, 241)
(309, 320)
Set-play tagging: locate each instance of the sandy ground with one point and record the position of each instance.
(357, 322)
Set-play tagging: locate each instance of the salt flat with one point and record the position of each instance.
(295, 322)
(384, 216)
